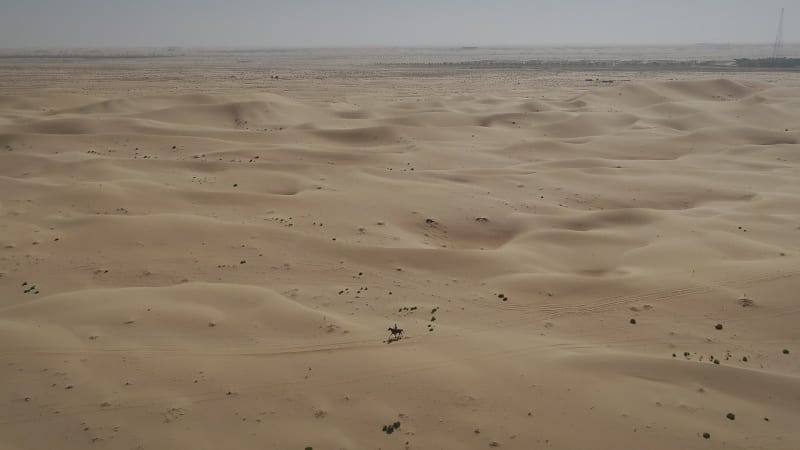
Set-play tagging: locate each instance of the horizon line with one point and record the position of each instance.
(392, 46)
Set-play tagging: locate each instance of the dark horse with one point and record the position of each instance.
(396, 333)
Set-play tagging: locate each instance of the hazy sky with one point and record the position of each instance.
(304, 23)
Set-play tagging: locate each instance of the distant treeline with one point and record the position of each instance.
(564, 64)
(768, 62)
(790, 64)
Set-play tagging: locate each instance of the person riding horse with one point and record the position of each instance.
(397, 333)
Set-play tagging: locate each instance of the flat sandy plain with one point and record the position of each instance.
(194, 254)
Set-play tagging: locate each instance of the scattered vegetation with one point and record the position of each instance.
(768, 62)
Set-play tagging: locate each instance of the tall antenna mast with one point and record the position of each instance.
(777, 48)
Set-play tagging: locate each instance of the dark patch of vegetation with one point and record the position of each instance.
(389, 429)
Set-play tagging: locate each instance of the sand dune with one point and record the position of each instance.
(219, 270)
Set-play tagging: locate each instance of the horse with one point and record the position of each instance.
(396, 333)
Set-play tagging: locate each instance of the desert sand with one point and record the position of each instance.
(191, 260)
